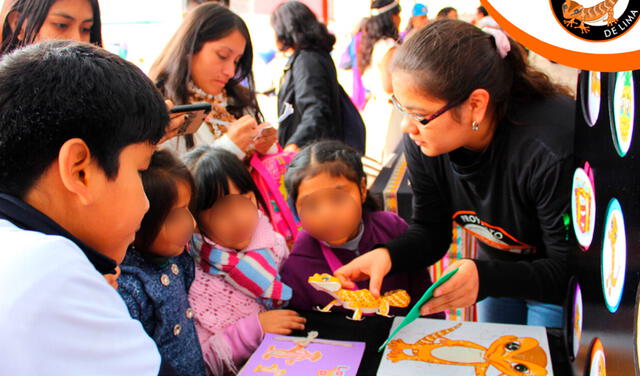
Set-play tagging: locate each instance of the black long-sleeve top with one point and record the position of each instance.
(310, 84)
(511, 197)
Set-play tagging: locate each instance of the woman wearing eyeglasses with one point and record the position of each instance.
(489, 145)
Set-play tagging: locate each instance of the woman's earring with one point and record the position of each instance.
(475, 126)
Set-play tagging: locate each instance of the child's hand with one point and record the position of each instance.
(373, 265)
(281, 321)
(112, 279)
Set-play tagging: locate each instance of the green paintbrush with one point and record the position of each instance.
(415, 311)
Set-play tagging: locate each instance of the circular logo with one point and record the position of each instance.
(577, 320)
(598, 365)
(623, 110)
(592, 98)
(583, 206)
(596, 20)
(614, 256)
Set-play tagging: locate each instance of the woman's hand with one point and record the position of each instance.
(175, 121)
(292, 148)
(243, 131)
(281, 321)
(373, 265)
(458, 292)
(266, 140)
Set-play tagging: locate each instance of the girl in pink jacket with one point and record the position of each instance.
(237, 291)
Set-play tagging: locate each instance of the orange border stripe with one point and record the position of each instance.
(581, 60)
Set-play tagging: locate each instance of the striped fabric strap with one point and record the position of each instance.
(252, 272)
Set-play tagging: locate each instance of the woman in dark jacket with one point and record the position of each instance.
(309, 83)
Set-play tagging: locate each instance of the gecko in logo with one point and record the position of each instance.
(596, 20)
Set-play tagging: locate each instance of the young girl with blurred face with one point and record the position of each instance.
(157, 272)
(340, 222)
(236, 301)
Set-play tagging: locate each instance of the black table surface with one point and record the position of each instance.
(373, 330)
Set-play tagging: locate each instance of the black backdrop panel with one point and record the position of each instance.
(614, 177)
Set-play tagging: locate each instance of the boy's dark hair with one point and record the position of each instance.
(212, 168)
(54, 91)
(332, 157)
(482, 10)
(297, 27)
(33, 13)
(160, 182)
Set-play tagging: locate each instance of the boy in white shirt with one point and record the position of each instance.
(77, 125)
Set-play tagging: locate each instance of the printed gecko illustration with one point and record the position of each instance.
(602, 371)
(595, 83)
(612, 280)
(273, 370)
(511, 355)
(576, 15)
(359, 301)
(298, 353)
(338, 371)
(583, 208)
(626, 109)
(576, 325)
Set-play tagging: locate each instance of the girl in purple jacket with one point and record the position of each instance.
(340, 221)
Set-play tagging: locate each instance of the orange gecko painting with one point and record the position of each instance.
(309, 356)
(478, 349)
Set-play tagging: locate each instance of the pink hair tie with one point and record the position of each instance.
(502, 41)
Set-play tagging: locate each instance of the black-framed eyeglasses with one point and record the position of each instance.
(423, 121)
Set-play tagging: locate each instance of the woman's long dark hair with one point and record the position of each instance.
(212, 168)
(449, 59)
(32, 14)
(332, 157)
(376, 28)
(160, 183)
(298, 28)
(172, 69)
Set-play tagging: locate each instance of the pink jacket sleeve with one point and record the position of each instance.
(222, 352)
(280, 250)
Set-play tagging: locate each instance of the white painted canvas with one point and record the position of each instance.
(452, 348)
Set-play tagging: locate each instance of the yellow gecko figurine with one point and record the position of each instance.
(511, 355)
(359, 301)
